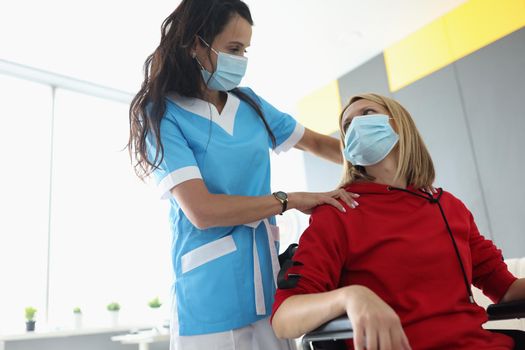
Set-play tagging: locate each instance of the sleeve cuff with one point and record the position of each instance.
(500, 283)
(176, 177)
(292, 140)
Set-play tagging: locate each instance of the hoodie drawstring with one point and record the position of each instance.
(429, 197)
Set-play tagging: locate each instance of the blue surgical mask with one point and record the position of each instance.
(369, 139)
(229, 72)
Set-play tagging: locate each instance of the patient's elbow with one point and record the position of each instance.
(279, 332)
(280, 329)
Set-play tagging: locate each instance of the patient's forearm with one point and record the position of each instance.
(302, 313)
(515, 292)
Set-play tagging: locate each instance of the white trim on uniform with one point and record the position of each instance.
(260, 307)
(207, 252)
(194, 105)
(292, 140)
(253, 224)
(226, 119)
(271, 231)
(176, 177)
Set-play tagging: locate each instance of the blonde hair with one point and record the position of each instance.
(414, 163)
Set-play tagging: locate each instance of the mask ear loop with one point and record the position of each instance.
(209, 46)
(194, 54)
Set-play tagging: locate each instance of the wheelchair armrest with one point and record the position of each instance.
(505, 311)
(340, 324)
(339, 328)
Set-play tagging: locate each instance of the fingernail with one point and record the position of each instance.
(356, 204)
(356, 195)
(343, 209)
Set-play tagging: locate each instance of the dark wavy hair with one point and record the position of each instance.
(170, 68)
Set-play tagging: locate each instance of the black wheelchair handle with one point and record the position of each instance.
(506, 311)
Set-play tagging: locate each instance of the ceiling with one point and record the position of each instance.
(297, 45)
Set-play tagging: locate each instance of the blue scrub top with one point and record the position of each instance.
(223, 275)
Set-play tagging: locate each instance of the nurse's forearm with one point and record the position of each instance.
(226, 210)
(330, 149)
(323, 146)
(206, 210)
(300, 314)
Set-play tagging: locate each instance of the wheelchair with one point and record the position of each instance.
(331, 335)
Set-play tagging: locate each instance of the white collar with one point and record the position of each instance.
(226, 119)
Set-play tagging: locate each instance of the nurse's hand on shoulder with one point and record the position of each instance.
(376, 325)
(307, 201)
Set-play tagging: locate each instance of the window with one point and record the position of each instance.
(25, 148)
(110, 234)
(77, 228)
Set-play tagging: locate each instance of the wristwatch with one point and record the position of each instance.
(283, 198)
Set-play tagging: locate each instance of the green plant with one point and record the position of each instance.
(113, 306)
(77, 310)
(155, 303)
(30, 313)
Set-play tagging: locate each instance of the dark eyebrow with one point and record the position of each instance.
(237, 43)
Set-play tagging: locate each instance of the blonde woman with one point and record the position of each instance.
(402, 264)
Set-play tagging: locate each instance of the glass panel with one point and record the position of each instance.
(25, 149)
(111, 239)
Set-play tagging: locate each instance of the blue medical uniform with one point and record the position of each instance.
(224, 276)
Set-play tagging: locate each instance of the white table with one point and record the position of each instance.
(143, 338)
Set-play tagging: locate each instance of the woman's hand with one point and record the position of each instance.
(306, 201)
(376, 325)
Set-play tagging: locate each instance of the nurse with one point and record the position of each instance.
(206, 142)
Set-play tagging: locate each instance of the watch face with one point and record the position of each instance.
(281, 195)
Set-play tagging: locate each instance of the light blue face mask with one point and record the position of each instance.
(369, 139)
(229, 72)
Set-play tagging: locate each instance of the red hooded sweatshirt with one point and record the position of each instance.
(397, 244)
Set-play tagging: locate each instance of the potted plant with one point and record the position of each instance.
(113, 309)
(77, 317)
(30, 318)
(154, 303)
